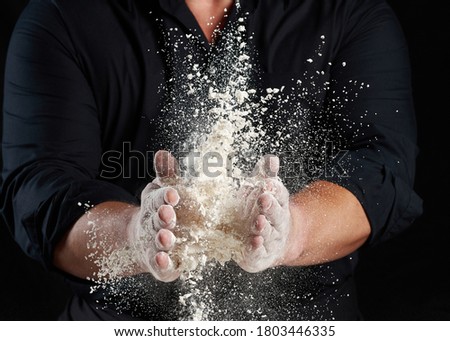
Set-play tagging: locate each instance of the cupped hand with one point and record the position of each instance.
(267, 218)
(151, 230)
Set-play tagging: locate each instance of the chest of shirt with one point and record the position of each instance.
(131, 62)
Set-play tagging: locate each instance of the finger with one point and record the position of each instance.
(164, 218)
(165, 240)
(153, 200)
(164, 267)
(256, 242)
(162, 261)
(244, 190)
(251, 205)
(260, 232)
(260, 225)
(267, 166)
(271, 166)
(279, 191)
(171, 196)
(166, 166)
(262, 228)
(272, 210)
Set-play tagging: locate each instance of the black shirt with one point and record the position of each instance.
(84, 78)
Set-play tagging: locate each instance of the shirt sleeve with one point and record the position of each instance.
(52, 135)
(374, 114)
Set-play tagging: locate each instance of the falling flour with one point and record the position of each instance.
(222, 124)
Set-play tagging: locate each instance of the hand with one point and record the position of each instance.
(151, 229)
(267, 215)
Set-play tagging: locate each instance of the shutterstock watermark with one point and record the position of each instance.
(328, 161)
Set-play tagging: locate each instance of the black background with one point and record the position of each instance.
(407, 278)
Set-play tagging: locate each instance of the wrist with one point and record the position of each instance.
(132, 218)
(135, 239)
(295, 243)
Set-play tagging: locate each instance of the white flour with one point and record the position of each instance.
(215, 116)
(209, 217)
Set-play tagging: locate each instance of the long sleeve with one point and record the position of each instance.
(52, 136)
(374, 114)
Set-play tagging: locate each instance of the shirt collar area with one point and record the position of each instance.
(248, 5)
(173, 6)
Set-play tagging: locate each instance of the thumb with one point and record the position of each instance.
(166, 166)
(267, 166)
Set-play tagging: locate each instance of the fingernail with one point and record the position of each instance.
(265, 204)
(161, 261)
(166, 215)
(171, 197)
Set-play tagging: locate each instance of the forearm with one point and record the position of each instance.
(144, 230)
(100, 231)
(328, 223)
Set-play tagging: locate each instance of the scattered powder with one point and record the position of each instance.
(210, 226)
(219, 122)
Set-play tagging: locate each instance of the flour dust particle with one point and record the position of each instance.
(216, 112)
